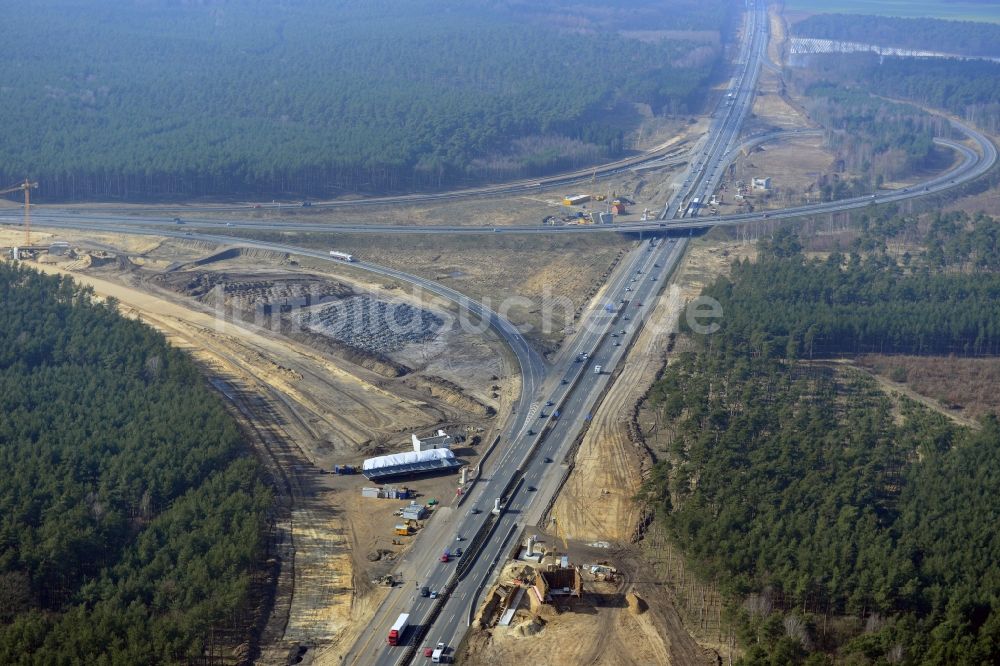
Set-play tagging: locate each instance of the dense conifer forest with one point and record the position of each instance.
(970, 38)
(125, 99)
(969, 89)
(131, 515)
(836, 520)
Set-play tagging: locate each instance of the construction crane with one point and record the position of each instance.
(560, 534)
(26, 187)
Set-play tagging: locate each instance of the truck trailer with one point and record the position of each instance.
(398, 629)
(343, 256)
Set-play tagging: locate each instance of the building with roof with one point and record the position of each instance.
(441, 440)
(409, 463)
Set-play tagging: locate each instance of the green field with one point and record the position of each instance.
(964, 11)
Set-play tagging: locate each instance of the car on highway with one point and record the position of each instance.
(547, 459)
(428, 651)
(657, 265)
(532, 489)
(473, 511)
(625, 317)
(306, 204)
(458, 552)
(458, 537)
(652, 278)
(548, 403)
(628, 288)
(178, 220)
(530, 432)
(425, 591)
(564, 381)
(434, 594)
(617, 343)
(229, 224)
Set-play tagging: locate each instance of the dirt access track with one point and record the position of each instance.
(305, 408)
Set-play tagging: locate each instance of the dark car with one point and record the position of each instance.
(532, 488)
(425, 591)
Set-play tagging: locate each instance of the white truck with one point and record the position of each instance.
(398, 629)
(437, 657)
(343, 256)
(597, 369)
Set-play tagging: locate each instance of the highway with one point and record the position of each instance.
(527, 467)
(527, 474)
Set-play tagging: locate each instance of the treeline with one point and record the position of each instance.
(132, 522)
(970, 38)
(843, 527)
(154, 99)
(836, 523)
(878, 139)
(967, 88)
(952, 242)
(852, 305)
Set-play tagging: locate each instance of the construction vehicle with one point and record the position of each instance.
(402, 530)
(25, 187)
(398, 629)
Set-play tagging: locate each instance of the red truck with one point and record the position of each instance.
(398, 629)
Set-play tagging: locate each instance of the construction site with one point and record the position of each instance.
(328, 367)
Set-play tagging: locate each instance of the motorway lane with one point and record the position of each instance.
(574, 400)
(578, 392)
(506, 467)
